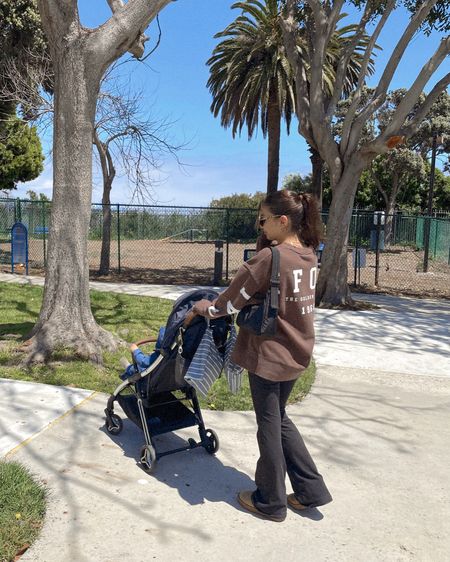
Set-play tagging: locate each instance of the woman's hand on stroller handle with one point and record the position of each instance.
(205, 308)
(189, 317)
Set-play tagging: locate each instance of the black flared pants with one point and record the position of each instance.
(281, 450)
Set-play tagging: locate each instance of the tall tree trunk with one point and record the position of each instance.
(332, 287)
(317, 174)
(65, 318)
(108, 174)
(105, 256)
(390, 207)
(274, 134)
(389, 221)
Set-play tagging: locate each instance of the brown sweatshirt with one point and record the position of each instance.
(285, 355)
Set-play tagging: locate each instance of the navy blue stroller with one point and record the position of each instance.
(158, 399)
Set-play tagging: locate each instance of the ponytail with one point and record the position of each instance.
(303, 210)
(310, 222)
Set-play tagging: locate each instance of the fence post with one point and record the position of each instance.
(377, 246)
(118, 236)
(44, 237)
(430, 204)
(218, 262)
(227, 238)
(17, 211)
(356, 264)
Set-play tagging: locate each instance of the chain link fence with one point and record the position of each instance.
(151, 244)
(387, 253)
(176, 245)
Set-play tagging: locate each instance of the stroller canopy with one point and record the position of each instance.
(178, 315)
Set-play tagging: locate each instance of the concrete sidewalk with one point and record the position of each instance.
(376, 423)
(383, 447)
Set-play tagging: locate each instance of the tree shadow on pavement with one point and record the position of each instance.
(195, 474)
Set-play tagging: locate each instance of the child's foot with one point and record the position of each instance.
(124, 363)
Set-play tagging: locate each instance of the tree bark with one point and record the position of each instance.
(332, 287)
(388, 231)
(108, 175)
(317, 174)
(274, 134)
(389, 201)
(390, 206)
(105, 256)
(65, 318)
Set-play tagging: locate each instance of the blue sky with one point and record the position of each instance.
(174, 80)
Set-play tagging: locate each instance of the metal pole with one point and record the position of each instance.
(218, 262)
(356, 264)
(430, 205)
(227, 234)
(118, 236)
(377, 252)
(44, 235)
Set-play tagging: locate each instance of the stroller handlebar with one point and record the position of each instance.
(148, 340)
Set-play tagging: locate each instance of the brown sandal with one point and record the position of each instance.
(295, 504)
(245, 500)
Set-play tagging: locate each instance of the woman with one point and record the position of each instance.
(274, 363)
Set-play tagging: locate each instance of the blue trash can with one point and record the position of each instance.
(360, 258)
(373, 240)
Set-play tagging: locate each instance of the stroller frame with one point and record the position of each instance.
(158, 414)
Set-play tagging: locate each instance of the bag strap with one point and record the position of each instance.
(275, 278)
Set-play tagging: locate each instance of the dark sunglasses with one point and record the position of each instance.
(263, 220)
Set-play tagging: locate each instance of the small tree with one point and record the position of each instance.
(298, 183)
(393, 173)
(33, 196)
(127, 138)
(21, 157)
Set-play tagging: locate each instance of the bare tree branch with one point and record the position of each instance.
(413, 125)
(344, 60)
(289, 30)
(397, 54)
(348, 121)
(376, 179)
(317, 59)
(23, 87)
(333, 18)
(413, 93)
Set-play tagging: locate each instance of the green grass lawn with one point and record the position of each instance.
(22, 509)
(132, 318)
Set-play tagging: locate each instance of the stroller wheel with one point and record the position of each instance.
(148, 458)
(213, 442)
(114, 424)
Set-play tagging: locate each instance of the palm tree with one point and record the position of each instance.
(252, 82)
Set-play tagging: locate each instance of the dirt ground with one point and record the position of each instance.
(175, 262)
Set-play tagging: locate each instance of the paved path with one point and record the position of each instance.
(383, 447)
(376, 422)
